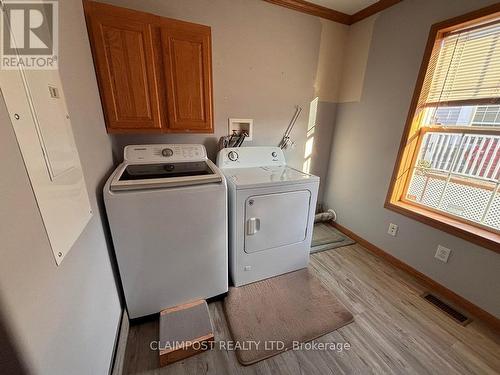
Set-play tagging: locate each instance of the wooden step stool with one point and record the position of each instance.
(185, 330)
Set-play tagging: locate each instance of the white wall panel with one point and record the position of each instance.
(44, 135)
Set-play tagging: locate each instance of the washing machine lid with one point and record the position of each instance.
(246, 178)
(134, 176)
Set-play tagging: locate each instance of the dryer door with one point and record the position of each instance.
(274, 220)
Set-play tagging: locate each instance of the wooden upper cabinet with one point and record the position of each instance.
(127, 71)
(187, 63)
(154, 73)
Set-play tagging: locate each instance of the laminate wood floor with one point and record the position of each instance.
(394, 331)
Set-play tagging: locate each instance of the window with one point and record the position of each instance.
(448, 168)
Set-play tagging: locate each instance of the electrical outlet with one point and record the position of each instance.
(442, 253)
(393, 229)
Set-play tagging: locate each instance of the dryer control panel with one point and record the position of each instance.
(159, 153)
(248, 157)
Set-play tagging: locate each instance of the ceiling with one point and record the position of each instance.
(344, 6)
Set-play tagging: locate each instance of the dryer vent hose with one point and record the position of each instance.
(325, 216)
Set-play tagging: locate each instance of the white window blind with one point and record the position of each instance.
(467, 70)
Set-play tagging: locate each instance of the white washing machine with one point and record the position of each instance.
(271, 213)
(167, 210)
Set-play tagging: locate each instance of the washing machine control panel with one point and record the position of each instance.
(164, 152)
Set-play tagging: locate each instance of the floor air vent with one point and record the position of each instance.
(447, 309)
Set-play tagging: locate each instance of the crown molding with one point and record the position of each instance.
(313, 9)
(332, 14)
(372, 9)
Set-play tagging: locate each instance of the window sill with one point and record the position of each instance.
(471, 233)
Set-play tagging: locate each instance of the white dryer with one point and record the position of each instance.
(271, 213)
(167, 210)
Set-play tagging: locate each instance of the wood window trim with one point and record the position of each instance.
(410, 144)
(468, 232)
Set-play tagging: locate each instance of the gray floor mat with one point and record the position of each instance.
(326, 237)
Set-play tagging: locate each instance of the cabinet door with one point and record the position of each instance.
(126, 66)
(188, 72)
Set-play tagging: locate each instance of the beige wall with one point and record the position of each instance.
(343, 56)
(63, 320)
(355, 59)
(365, 143)
(331, 60)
